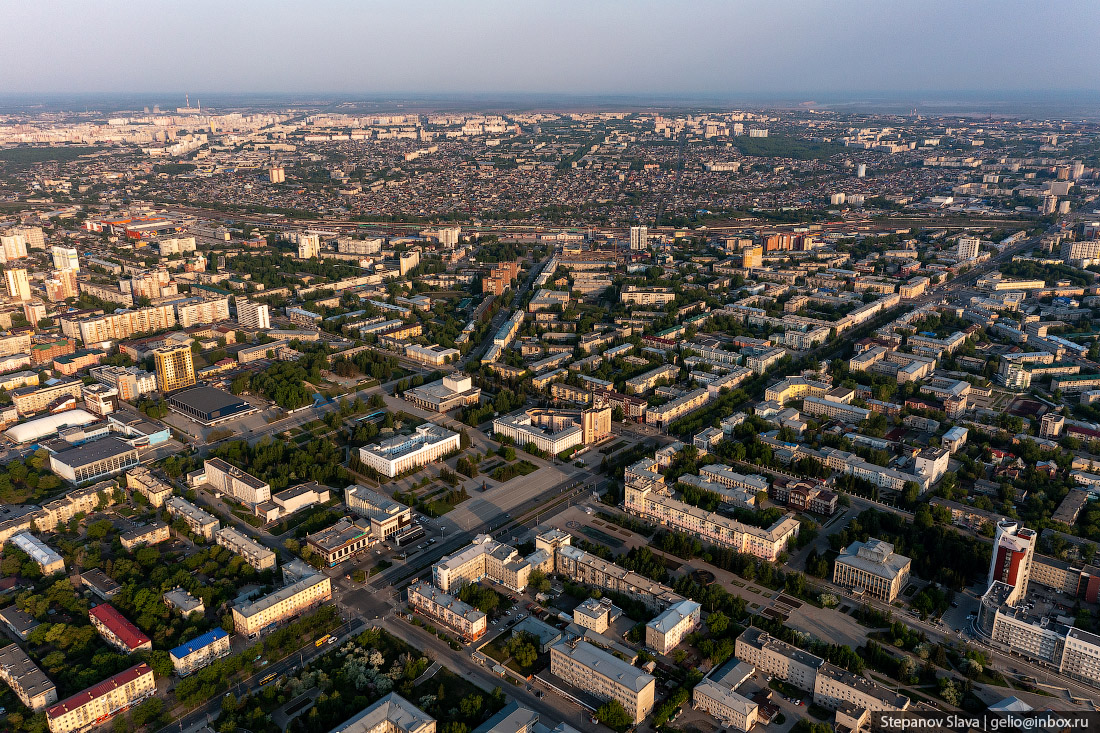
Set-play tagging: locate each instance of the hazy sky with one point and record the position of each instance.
(677, 47)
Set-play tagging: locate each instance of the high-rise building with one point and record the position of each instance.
(276, 174)
(175, 367)
(12, 246)
(18, 285)
(639, 237)
(1013, 550)
(752, 256)
(65, 258)
(309, 245)
(61, 285)
(861, 170)
(33, 236)
(968, 248)
(253, 315)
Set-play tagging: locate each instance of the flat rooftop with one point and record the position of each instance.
(93, 452)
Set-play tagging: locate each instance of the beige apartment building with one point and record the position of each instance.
(584, 567)
(604, 676)
(122, 325)
(30, 400)
(142, 480)
(665, 632)
(647, 296)
(655, 503)
(483, 558)
(253, 552)
(448, 610)
(196, 519)
(717, 696)
(778, 658)
(102, 701)
(242, 486)
(307, 593)
(151, 534)
(26, 680)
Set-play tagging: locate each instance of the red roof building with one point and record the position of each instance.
(102, 701)
(118, 631)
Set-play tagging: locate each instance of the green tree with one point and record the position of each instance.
(614, 716)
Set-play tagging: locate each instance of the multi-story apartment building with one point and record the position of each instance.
(596, 615)
(761, 361)
(193, 655)
(65, 258)
(242, 486)
(103, 701)
(123, 324)
(483, 558)
(131, 382)
(604, 676)
(646, 296)
(832, 409)
(285, 603)
(196, 519)
(117, 630)
(175, 367)
(728, 477)
(832, 687)
(142, 480)
(663, 415)
(396, 455)
(872, 568)
(445, 608)
(665, 374)
(837, 688)
(26, 680)
(795, 388)
(150, 534)
(18, 286)
(584, 567)
(192, 311)
(253, 552)
(47, 559)
(33, 399)
(253, 315)
(45, 353)
(717, 696)
(650, 501)
(665, 632)
(12, 344)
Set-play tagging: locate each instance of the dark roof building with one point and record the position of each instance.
(208, 405)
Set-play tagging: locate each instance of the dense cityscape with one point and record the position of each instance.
(553, 370)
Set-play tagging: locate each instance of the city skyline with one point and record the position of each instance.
(707, 50)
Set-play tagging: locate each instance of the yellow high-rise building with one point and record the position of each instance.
(175, 368)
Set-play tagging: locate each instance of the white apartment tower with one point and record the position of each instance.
(968, 248)
(253, 315)
(18, 285)
(65, 258)
(639, 238)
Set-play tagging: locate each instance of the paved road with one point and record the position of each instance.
(551, 708)
(209, 711)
